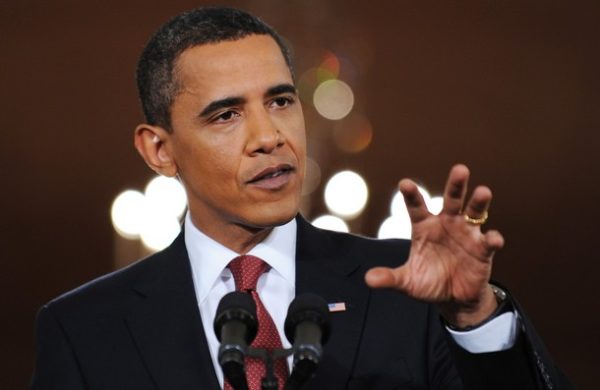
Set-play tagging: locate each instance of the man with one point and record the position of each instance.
(223, 116)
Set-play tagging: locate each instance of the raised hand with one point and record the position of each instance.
(450, 259)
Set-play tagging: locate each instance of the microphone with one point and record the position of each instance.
(307, 327)
(235, 326)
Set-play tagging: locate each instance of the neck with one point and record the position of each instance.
(237, 237)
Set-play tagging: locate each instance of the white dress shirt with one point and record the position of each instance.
(276, 287)
(212, 278)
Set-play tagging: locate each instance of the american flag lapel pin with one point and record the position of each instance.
(337, 306)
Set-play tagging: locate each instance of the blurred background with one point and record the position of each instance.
(390, 89)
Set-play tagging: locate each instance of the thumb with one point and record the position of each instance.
(384, 277)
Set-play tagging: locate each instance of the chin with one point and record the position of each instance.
(272, 215)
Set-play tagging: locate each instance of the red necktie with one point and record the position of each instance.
(246, 270)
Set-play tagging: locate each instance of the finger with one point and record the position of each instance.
(456, 188)
(492, 242)
(415, 204)
(479, 202)
(384, 277)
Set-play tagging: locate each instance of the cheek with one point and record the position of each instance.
(218, 167)
(207, 165)
(292, 125)
(299, 145)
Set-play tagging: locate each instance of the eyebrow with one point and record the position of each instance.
(280, 89)
(237, 100)
(222, 103)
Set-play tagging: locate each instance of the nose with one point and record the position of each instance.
(263, 134)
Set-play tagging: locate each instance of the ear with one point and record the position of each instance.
(152, 143)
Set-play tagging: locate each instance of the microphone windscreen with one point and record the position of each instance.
(237, 306)
(308, 307)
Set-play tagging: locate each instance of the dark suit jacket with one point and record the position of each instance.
(140, 328)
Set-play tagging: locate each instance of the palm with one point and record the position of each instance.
(450, 259)
(447, 261)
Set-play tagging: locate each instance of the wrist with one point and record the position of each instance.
(466, 318)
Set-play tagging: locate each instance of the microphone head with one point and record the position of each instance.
(308, 307)
(237, 306)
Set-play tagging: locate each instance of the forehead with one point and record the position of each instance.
(232, 68)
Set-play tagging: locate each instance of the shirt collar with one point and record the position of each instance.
(209, 258)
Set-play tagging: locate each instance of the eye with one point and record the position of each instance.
(225, 116)
(282, 101)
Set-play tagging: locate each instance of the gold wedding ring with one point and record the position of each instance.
(477, 221)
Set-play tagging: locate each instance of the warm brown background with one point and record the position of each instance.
(512, 88)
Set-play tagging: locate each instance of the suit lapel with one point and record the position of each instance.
(325, 266)
(166, 324)
(168, 331)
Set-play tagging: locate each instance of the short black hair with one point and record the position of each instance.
(157, 84)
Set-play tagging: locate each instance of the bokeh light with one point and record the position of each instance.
(329, 68)
(398, 207)
(159, 230)
(153, 216)
(127, 213)
(166, 195)
(395, 227)
(353, 134)
(333, 99)
(346, 194)
(307, 82)
(435, 205)
(331, 222)
(398, 224)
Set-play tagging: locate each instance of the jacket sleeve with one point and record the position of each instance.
(527, 365)
(56, 364)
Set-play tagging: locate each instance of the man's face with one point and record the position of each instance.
(238, 137)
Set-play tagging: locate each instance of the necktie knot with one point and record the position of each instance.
(246, 270)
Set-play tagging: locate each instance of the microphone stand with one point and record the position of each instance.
(269, 382)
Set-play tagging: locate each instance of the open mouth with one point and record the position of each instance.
(272, 173)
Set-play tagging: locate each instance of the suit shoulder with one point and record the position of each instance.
(370, 243)
(384, 252)
(110, 291)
